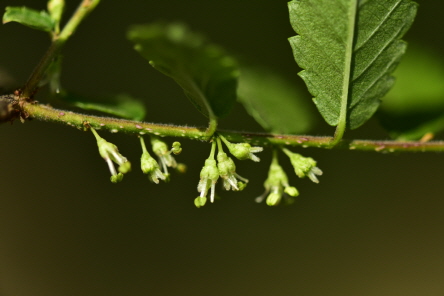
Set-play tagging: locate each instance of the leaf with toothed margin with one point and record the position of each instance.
(206, 74)
(32, 18)
(348, 50)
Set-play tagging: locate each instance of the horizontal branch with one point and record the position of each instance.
(114, 125)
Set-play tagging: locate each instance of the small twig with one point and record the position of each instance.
(58, 41)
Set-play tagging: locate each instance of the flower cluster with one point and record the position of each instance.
(223, 168)
(110, 154)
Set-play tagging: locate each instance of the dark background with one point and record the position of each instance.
(373, 226)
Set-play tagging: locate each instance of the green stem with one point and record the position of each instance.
(96, 134)
(213, 150)
(274, 160)
(85, 7)
(212, 127)
(142, 142)
(219, 145)
(114, 125)
(225, 140)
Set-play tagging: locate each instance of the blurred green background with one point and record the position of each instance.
(373, 226)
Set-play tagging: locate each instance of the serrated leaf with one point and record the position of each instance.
(349, 48)
(207, 75)
(276, 104)
(32, 18)
(121, 105)
(415, 105)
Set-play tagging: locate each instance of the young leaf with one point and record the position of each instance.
(415, 105)
(39, 20)
(274, 102)
(121, 105)
(55, 9)
(349, 48)
(207, 75)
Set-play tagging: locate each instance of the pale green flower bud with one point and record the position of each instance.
(200, 201)
(274, 199)
(242, 151)
(304, 166)
(110, 154)
(176, 148)
(292, 191)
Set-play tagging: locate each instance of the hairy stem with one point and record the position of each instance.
(114, 125)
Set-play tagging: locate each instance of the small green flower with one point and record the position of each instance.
(276, 184)
(304, 166)
(110, 154)
(227, 170)
(242, 151)
(208, 177)
(149, 165)
(160, 148)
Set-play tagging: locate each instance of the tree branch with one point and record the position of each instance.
(114, 125)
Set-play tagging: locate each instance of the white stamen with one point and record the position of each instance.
(111, 167)
(254, 157)
(213, 186)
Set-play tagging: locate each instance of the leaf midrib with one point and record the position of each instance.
(342, 121)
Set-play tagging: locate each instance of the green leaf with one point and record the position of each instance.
(275, 103)
(39, 20)
(121, 105)
(207, 75)
(349, 48)
(415, 105)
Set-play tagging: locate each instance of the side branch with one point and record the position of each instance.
(85, 7)
(114, 125)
